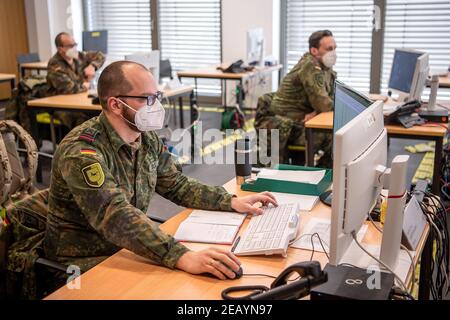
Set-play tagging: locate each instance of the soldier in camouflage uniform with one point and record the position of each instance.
(307, 90)
(70, 71)
(105, 173)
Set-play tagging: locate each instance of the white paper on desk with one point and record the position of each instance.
(311, 177)
(216, 217)
(304, 203)
(322, 227)
(206, 232)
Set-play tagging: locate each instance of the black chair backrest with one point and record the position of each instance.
(27, 58)
(165, 69)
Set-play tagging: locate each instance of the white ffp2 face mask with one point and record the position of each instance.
(72, 53)
(148, 118)
(329, 59)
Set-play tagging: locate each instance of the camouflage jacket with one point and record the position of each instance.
(308, 87)
(65, 79)
(100, 190)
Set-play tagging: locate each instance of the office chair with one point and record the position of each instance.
(165, 69)
(27, 58)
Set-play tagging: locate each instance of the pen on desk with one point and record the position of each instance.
(235, 244)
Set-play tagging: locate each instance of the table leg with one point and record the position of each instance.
(180, 101)
(425, 270)
(437, 166)
(13, 84)
(239, 97)
(225, 94)
(192, 101)
(309, 147)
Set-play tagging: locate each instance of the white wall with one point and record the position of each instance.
(238, 16)
(47, 18)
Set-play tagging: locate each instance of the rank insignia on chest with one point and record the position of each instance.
(93, 175)
(89, 135)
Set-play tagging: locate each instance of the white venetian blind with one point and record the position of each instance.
(421, 25)
(351, 24)
(189, 33)
(128, 23)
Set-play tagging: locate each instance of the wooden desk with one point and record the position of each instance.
(128, 276)
(444, 82)
(324, 122)
(8, 77)
(213, 73)
(38, 66)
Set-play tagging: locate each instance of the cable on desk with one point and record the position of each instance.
(412, 267)
(399, 280)
(258, 275)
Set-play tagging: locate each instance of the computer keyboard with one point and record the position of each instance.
(269, 233)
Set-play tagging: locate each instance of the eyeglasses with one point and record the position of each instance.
(151, 99)
(70, 46)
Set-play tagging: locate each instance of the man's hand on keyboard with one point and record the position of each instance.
(217, 262)
(246, 204)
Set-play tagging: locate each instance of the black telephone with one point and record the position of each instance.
(310, 275)
(404, 115)
(235, 67)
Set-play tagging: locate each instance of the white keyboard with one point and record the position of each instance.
(269, 233)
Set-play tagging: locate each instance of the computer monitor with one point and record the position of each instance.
(348, 104)
(95, 41)
(150, 60)
(255, 46)
(408, 76)
(360, 146)
(420, 77)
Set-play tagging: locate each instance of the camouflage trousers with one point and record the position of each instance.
(291, 133)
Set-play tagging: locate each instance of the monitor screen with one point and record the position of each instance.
(95, 41)
(348, 103)
(402, 71)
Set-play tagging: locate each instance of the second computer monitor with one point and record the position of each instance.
(409, 67)
(360, 147)
(255, 46)
(95, 41)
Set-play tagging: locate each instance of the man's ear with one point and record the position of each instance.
(314, 52)
(114, 106)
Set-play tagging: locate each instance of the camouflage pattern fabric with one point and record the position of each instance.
(63, 78)
(308, 87)
(22, 239)
(100, 190)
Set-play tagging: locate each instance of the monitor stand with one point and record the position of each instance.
(326, 197)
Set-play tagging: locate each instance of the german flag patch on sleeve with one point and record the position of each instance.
(88, 151)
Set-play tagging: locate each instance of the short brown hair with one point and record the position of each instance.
(113, 83)
(315, 37)
(58, 42)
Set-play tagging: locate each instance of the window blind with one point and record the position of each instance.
(190, 36)
(351, 24)
(128, 23)
(421, 25)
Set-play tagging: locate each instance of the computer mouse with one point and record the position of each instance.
(238, 274)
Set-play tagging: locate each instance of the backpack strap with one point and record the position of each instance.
(26, 184)
(7, 173)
